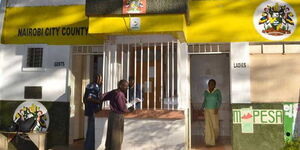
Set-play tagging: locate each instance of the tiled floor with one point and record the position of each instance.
(224, 143)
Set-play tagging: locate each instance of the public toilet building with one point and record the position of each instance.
(50, 51)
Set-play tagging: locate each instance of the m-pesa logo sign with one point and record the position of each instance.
(258, 116)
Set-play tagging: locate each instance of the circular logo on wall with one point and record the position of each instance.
(275, 20)
(37, 110)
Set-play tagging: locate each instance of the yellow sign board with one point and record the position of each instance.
(148, 24)
(55, 25)
(233, 21)
(209, 21)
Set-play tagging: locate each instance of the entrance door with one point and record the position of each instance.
(87, 61)
(203, 68)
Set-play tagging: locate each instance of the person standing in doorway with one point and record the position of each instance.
(115, 129)
(211, 105)
(92, 105)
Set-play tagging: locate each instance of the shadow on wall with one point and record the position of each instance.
(270, 87)
(17, 77)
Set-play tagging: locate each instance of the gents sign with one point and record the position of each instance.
(53, 31)
(259, 116)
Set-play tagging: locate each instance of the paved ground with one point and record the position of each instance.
(77, 145)
(224, 143)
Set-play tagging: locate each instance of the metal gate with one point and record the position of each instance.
(152, 65)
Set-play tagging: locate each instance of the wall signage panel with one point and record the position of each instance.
(134, 6)
(258, 116)
(53, 25)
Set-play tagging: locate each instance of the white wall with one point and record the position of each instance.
(145, 134)
(1, 72)
(183, 77)
(184, 88)
(240, 73)
(16, 76)
(22, 3)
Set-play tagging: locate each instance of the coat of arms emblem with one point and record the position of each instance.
(275, 20)
(134, 6)
(36, 110)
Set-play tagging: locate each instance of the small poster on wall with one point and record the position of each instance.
(135, 23)
(290, 115)
(247, 120)
(134, 6)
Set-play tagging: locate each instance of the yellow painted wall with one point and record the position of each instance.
(44, 17)
(149, 24)
(210, 21)
(229, 21)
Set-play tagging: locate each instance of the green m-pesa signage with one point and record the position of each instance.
(290, 115)
(258, 116)
(258, 126)
(247, 117)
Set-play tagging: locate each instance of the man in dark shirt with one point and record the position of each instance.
(92, 104)
(115, 129)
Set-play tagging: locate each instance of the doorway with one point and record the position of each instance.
(86, 62)
(203, 68)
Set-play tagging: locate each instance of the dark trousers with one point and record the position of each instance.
(115, 131)
(89, 143)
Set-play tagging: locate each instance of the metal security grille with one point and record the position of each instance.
(208, 48)
(153, 67)
(87, 50)
(35, 57)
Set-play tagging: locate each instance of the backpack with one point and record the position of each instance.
(20, 125)
(26, 125)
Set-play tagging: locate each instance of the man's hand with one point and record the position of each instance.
(131, 109)
(96, 101)
(138, 100)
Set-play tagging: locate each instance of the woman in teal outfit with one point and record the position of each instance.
(211, 105)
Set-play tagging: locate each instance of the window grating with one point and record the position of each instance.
(35, 57)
